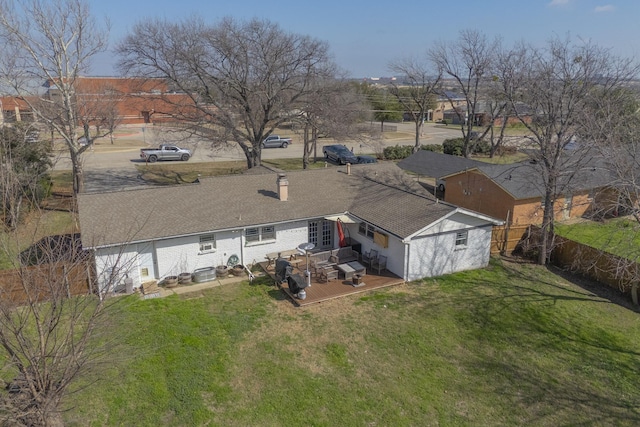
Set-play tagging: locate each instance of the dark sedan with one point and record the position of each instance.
(339, 154)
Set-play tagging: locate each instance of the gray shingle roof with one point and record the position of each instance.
(524, 180)
(436, 165)
(380, 194)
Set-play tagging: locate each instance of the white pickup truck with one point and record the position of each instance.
(164, 152)
(275, 141)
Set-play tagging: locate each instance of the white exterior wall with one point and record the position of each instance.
(170, 257)
(113, 265)
(288, 236)
(437, 254)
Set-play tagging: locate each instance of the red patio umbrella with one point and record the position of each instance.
(342, 241)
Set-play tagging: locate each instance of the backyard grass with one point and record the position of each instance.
(619, 236)
(508, 345)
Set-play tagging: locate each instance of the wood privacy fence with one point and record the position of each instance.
(614, 271)
(504, 239)
(42, 282)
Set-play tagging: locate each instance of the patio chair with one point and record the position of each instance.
(379, 264)
(369, 256)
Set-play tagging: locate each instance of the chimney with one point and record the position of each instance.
(348, 168)
(283, 187)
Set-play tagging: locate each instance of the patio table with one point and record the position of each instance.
(351, 268)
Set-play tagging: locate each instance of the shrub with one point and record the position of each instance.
(453, 146)
(398, 152)
(432, 147)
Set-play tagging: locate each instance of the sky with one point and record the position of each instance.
(366, 36)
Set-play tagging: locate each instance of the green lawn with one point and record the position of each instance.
(508, 345)
(620, 236)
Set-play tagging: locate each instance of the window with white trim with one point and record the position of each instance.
(366, 230)
(260, 234)
(461, 238)
(207, 243)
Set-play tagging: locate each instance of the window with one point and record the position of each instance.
(366, 230)
(260, 234)
(321, 233)
(268, 233)
(207, 243)
(461, 238)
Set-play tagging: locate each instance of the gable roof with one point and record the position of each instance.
(380, 194)
(524, 180)
(436, 165)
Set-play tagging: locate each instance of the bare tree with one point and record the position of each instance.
(50, 43)
(416, 91)
(468, 61)
(24, 164)
(242, 79)
(97, 105)
(334, 110)
(558, 85)
(52, 316)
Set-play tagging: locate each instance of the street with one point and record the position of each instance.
(112, 168)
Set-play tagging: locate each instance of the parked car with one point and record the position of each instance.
(164, 152)
(366, 159)
(339, 154)
(275, 141)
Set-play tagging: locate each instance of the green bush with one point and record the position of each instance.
(453, 146)
(397, 152)
(432, 147)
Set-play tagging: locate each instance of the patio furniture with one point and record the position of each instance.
(351, 268)
(273, 256)
(327, 273)
(379, 264)
(369, 255)
(344, 255)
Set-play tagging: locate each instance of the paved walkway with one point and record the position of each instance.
(198, 287)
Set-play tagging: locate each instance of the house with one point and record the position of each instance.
(156, 232)
(14, 109)
(436, 165)
(515, 192)
(129, 100)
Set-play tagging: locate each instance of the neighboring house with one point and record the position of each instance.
(446, 100)
(14, 109)
(436, 165)
(515, 192)
(129, 100)
(162, 231)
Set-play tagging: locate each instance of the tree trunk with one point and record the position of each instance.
(78, 173)
(547, 231)
(306, 149)
(416, 147)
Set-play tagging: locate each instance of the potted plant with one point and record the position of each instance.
(238, 270)
(222, 271)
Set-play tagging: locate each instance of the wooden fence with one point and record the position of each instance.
(611, 270)
(617, 272)
(504, 239)
(44, 281)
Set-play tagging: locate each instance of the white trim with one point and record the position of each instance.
(345, 218)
